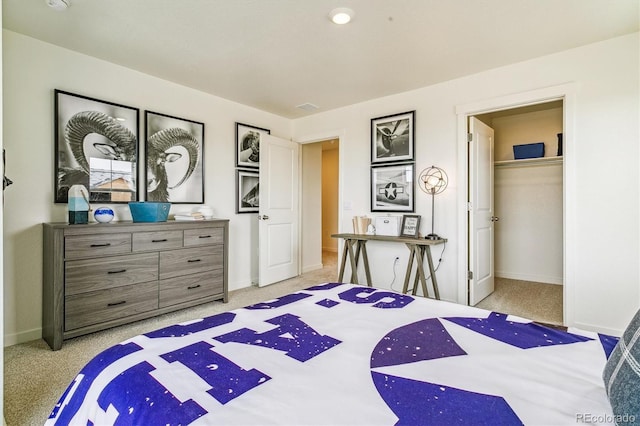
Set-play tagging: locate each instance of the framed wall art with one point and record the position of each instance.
(392, 138)
(174, 151)
(392, 188)
(248, 191)
(410, 226)
(96, 145)
(248, 145)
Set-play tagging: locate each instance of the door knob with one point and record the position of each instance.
(494, 218)
(263, 217)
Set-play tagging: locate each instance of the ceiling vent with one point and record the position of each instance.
(308, 107)
(58, 5)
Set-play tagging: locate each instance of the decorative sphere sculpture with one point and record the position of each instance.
(103, 214)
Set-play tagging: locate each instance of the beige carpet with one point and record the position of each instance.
(35, 376)
(536, 301)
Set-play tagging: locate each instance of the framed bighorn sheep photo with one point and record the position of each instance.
(96, 145)
(248, 145)
(174, 151)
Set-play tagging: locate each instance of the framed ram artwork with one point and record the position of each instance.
(96, 145)
(248, 145)
(174, 151)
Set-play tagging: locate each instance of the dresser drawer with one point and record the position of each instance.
(203, 236)
(157, 240)
(190, 261)
(105, 305)
(191, 287)
(97, 274)
(79, 246)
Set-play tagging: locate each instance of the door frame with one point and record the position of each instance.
(566, 93)
(338, 134)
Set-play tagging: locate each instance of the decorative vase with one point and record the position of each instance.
(103, 214)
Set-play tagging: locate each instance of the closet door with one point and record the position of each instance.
(481, 281)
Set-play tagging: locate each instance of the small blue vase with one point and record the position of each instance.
(103, 214)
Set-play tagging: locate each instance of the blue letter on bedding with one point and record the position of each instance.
(293, 336)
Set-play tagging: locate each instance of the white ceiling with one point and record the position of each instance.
(277, 54)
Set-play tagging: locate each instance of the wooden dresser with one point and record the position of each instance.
(97, 276)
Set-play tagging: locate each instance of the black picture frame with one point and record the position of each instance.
(174, 152)
(248, 139)
(96, 145)
(410, 226)
(392, 138)
(393, 188)
(247, 191)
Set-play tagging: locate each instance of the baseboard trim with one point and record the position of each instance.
(525, 277)
(22, 337)
(310, 268)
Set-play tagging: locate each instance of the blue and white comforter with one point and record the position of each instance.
(342, 354)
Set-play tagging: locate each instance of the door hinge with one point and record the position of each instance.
(469, 206)
(469, 137)
(469, 275)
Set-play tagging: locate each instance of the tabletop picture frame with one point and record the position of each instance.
(392, 138)
(410, 226)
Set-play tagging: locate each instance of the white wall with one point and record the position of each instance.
(528, 236)
(32, 70)
(604, 274)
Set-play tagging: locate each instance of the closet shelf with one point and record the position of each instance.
(529, 162)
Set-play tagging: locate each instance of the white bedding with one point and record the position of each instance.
(342, 354)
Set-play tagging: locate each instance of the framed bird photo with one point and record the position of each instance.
(392, 188)
(392, 138)
(248, 145)
(174, 152)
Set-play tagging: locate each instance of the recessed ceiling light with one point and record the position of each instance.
(341, 15)
(58, 5)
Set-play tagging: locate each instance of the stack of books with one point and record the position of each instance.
(189, 216)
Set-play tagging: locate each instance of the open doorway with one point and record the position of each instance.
(320, 189)
(526, 213)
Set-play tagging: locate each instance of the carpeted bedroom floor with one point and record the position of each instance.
(35, 376)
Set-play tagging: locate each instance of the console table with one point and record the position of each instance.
(355, 246)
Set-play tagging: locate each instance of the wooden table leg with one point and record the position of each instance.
(420, 263)
(345, 252)
(365, 261)
(434, 281)
(407, 275)
(354, 265)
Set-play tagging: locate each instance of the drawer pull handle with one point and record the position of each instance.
(194, 260)
(117, 272)
(204, 236)
(100, 245)
(164, 240)
(122, 302)
(193, 286)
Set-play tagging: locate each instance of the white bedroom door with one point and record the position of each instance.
(278, 215)
(481, 219)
